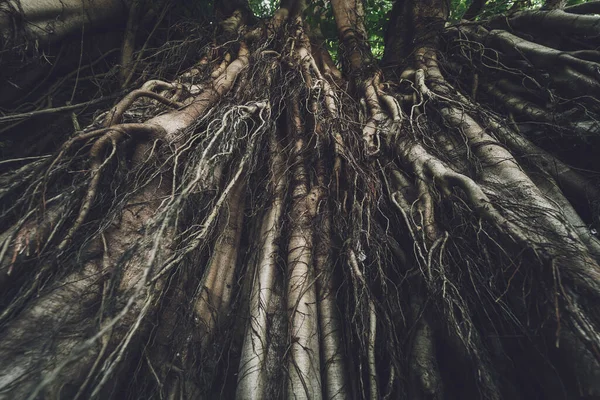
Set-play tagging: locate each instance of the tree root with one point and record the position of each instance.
(251, 376)
(215, 293)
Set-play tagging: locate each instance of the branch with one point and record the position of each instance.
(593, 7)
(15, 117)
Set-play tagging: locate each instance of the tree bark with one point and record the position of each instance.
(251, 221)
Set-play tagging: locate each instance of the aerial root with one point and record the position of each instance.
(372, 335)
(218, 71)
(582, 363)
(556, 240)
(208, 128)
(66, 301)
(534, 112)
(424, 371)
(592, 7)
(575, 185)
(431, 171)
(197, 238)
(498, 163)
(252, 371)
(30, 235)
(551, 190)
(579, 73)
(112, 136)
(376, 115)
(553, 20)
(309, 67)
(334, 373)
(303, 360)
(217, 283)
(316, 81)
(116, 114)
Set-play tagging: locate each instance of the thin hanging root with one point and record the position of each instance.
(212, 216)
(330, 99)
(67, 305)
(193, 241)
(373, 389)
(165, 364)
(402, 197)
(217, 283)
(27, 292)
(104, 346)
(498, 163)
(584, 365)
(140, 296)
(424, 371)
(113, 136)
(88, 200)
(133, 127)
(105, 339)
(252, 372)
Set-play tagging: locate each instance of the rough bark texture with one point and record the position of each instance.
(248, 221)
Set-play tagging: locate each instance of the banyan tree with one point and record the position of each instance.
(308, 199)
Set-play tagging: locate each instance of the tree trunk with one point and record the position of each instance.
(251, 221)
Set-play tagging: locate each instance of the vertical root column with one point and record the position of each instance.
(252, 372)
(303, 358)
(216, 289)
(372, 335)
(334, 371)
(424, 372)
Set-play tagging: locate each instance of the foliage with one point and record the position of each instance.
(318, 12)
(376, 14)
(458, 9)
(263, 8)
